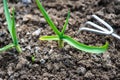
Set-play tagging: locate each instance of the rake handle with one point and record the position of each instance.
(115, 35)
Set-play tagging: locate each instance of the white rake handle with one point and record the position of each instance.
(115, 35)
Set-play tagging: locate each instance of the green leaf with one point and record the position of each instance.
(14, 34)
(47, 18)
(83, 47)
(11, 27)
(7, 15)
(61, 37)
(55, 37)
(7, 47)
(10, 22)
(33, 58)
(66, 23)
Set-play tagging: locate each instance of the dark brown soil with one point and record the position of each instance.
(52, 63)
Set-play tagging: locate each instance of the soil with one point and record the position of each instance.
(52, 63)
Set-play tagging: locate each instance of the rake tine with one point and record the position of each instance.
(97, 26)
(104, 23)
(100, 29)
(92, 30)
(107, 25)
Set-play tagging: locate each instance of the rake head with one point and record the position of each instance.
(107, 30)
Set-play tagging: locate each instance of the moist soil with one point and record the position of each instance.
(51, 62)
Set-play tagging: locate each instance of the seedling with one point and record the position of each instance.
(11, 29)
(33, 58)
(61, 37)
(107, 30)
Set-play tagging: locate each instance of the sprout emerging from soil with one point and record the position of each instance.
(11, 29)
(61, 37)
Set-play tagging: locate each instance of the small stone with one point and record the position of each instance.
(23, 49)
(100, 13)
(26, 1)
(22, 40)
(24, 77)
(47, 75)
(42, 20)
(28, 47)
(89, 75)
(42, 61)
(27, 17)
(51, 51)
(45, 78)
(5, 23)
(49, 66)
(37, 49)
(28, 33)
(17, 25)
(81, 70)
(88, 17)
(16, 74)
(67, 47)
(36, 11)
(37, 32)
(46, 57)
(71, 21)
(35, 65)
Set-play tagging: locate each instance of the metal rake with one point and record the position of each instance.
(107, 30)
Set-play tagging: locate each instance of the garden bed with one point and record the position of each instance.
(52, 63)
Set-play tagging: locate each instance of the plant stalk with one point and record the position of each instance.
(60, 43)
(18, 48)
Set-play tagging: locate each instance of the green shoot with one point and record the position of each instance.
(11, 29)
(61, 37)
(33, 58)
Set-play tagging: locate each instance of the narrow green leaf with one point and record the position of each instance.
(10, 22)
(66, 23)
(7, 47)
(83, 47)
(14, 34)
(55, 37)
(11, 27)
(7, 15)
(47, 18)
